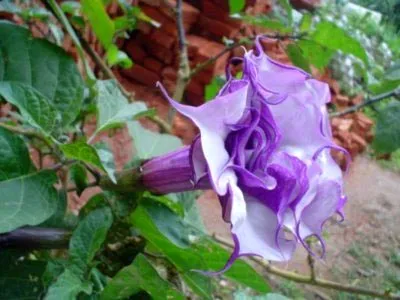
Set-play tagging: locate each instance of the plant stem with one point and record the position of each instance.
(35, 238)
(184, 67)
(309, 280)
(370, 101)
(28, 133)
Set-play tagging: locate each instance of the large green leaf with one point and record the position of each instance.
(14, 156)
(83, 152)
(236, 6)
(101, 23)
(288, 8)
(113, 108)
(296, 56)
(393, 73)
(176, 229)
(107, 159)
(335, 38)
(140, 275)
(27, 200)
(67, 287)
(384, 86)
(315, 53)
(44, 67)
(88, 237)
(78, 174)
(149, 144)
(34, 107)
(387, 134)
(266, 22)
(20, 279)
(203, 255)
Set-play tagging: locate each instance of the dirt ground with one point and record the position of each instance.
(364, 250)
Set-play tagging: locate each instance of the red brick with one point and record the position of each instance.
(341, 100)
(162, 39)
(189, 12)
(152, 64)
(144, 27)
(154, 13)
(142, 75)
(217, 28)
(195, 87)
(163, 54)
(154, 3)
(345, 124)
(169, 73)
(362, 144)
(194, 99)
(135, 50)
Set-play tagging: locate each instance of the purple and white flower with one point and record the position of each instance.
(264, 147)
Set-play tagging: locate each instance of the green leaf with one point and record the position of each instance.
(384, 86)
(44, 67)
(171, 225)
(67, 287)
(306, 22)
(96, 201)
(88, 237)
(20, 279)
(113, 107)
(266, 22)
(288, 8)
(149, 144)
(101, 23)
(117, 57)
(57, 220)
(140, 275)
(83, 152)
(335, 38)
(236, 6)
(27, 200)
(296, 56)
(212, 89)
(387, 133)
(14, 156)
(78, 175)
(203, 255)
(107, 159)
(34, 107)
(71, 7)
(393, 73)
(316, 54)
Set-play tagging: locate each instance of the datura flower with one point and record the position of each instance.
(264, 147)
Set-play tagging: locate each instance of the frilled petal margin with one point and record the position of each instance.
(264, 147)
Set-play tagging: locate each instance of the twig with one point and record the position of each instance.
(395, 92)
(316, 281)
(28, 133)
(184, 67)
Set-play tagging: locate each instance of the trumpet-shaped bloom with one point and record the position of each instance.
(264, 147)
